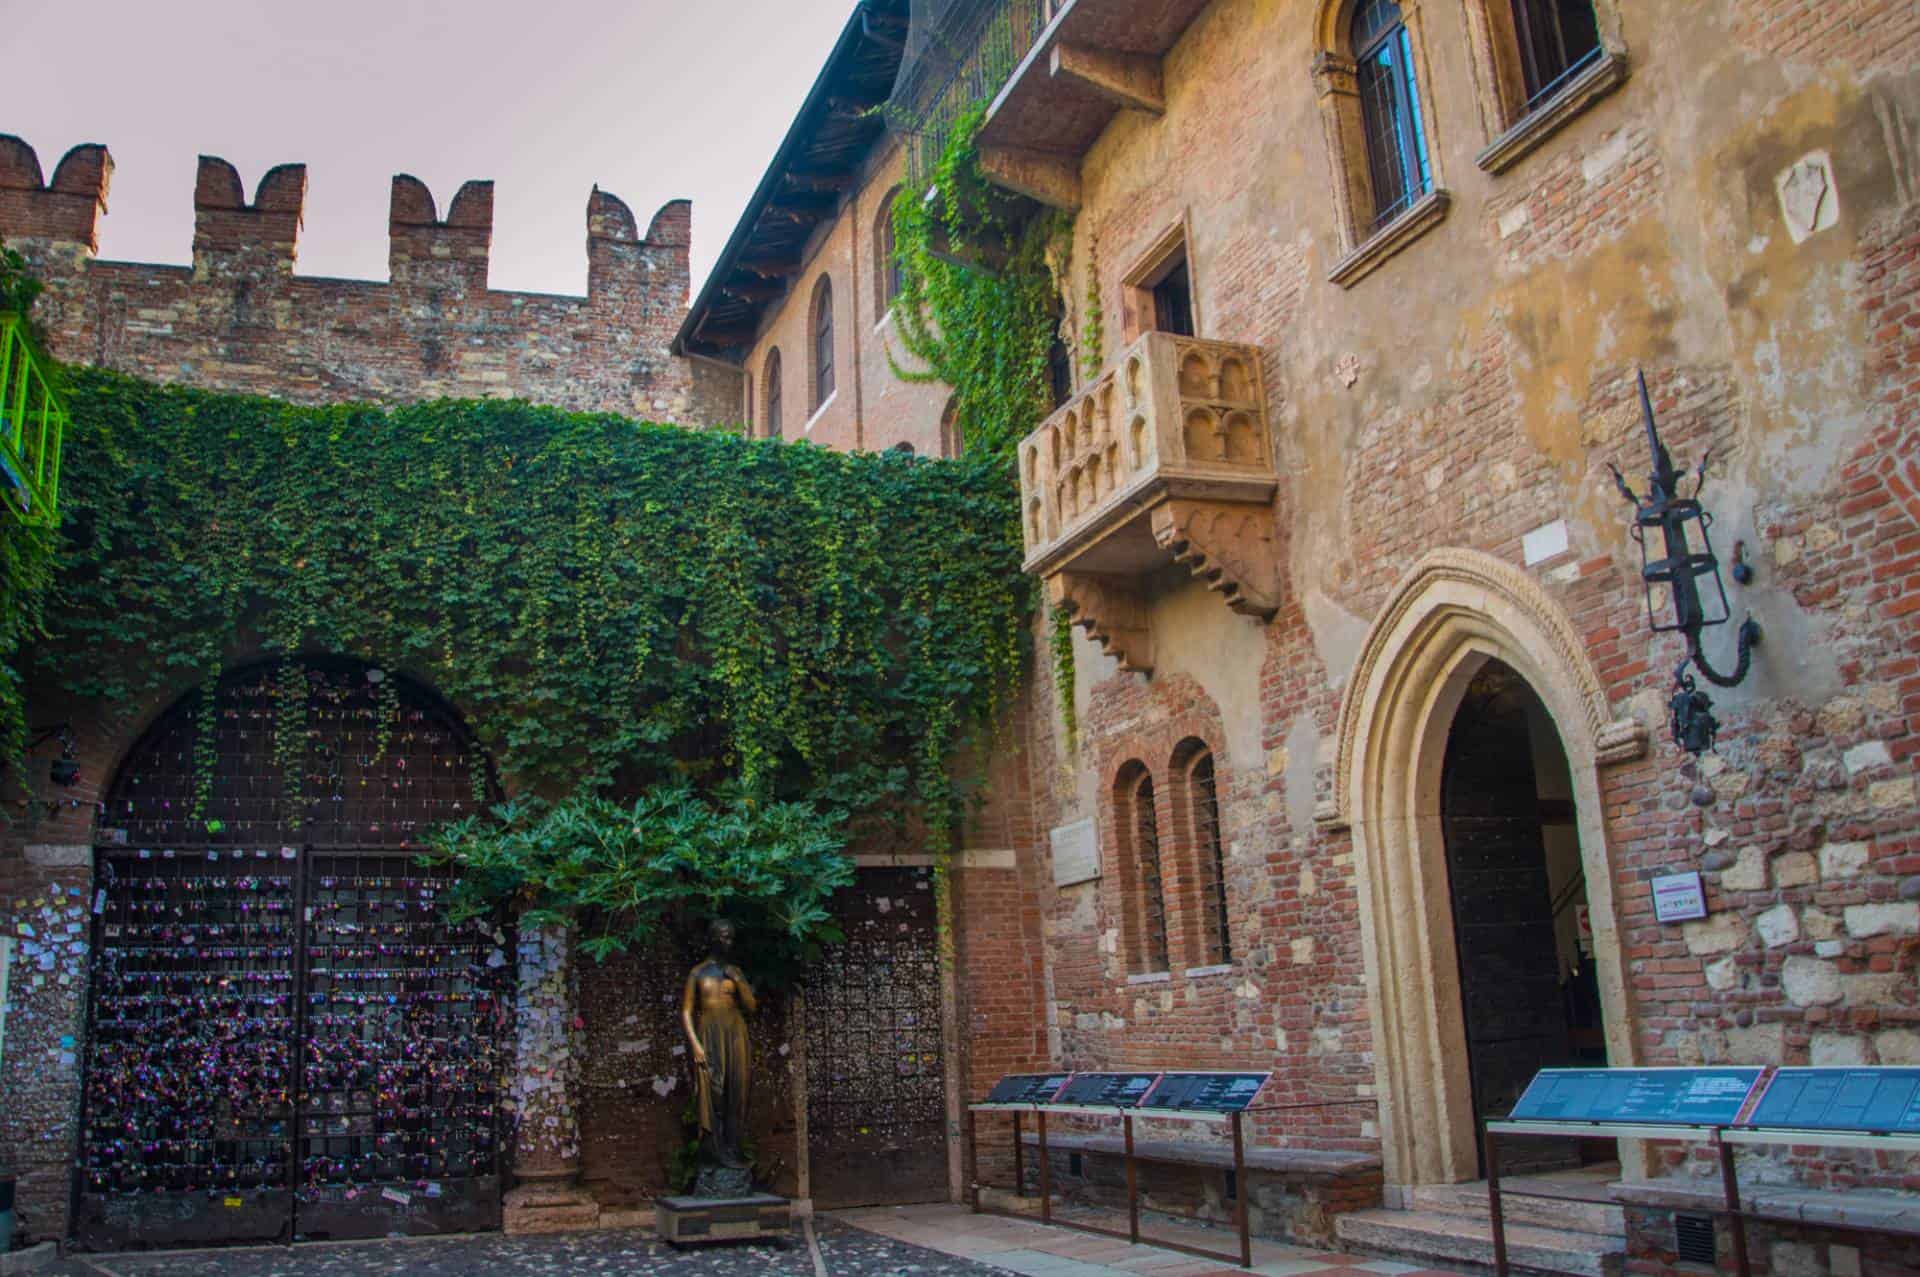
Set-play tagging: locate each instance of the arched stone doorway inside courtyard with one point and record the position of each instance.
(287, 1040)
(1457, 615)
(1529, 994)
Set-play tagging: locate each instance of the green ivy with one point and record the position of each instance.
(986, 334)
(621, 873)
(612, 604)
(1093, 330)
(1060, 645)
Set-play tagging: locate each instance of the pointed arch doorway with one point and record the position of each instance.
(1529, 994)
(1455, 615)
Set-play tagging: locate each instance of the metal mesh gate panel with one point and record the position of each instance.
(876, 1073)
(287, 1039)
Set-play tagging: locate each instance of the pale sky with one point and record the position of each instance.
(652, 100)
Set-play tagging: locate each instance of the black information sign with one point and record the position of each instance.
(1883, 1099)
(1207, 1092)
(1685, 1097)
(1027, 1088)
(1108, 1090)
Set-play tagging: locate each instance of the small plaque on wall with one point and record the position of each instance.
(1679, 898)
(1076, 853)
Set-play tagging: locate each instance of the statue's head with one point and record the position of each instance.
(720, 933)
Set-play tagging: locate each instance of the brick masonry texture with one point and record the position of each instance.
(240, 319)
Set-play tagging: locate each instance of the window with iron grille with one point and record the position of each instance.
(773, 393)
(1557, 38)
(1204, 800)
(822, 342)
(1140, 826)
(1390, 110)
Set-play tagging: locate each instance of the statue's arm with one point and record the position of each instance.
(686, 1021)
(748, 1002)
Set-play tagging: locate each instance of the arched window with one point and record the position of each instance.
(952, 443)
(1138, 822)
(1389, 93)
(822, 330)
(886, 262)
(1193, 762)
(773, 393)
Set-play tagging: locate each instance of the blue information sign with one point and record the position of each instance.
(1884, 1100)
(1107, 1090)
(1206, 1092)
(1027, 1088)
(1683, 1097)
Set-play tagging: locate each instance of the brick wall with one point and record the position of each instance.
(240, 319)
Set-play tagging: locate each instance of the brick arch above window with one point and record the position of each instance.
(820, 342)
(772, 395)
(1138, 840)
(1200, 847)
(886, 266)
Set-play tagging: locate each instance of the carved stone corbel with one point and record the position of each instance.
(1227, 545)
(1111, 610)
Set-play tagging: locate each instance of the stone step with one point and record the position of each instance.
(1470, 1201)
(1428, 1236)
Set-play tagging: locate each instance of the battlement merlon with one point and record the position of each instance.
(66, 210)
(621, 263)
(227, 230)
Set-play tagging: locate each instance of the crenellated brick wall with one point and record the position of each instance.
(240, 318)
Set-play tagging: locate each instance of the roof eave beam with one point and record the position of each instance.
(1128, 80)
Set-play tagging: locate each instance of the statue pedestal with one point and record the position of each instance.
(693, 1221)
(722, 1181)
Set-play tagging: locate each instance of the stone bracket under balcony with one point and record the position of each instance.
(1164, 462)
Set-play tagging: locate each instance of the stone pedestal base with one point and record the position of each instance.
(692, 1221)
(548, 1208)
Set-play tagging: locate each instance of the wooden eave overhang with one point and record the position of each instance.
(816, 167)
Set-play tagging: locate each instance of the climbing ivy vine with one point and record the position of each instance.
(986, 333)
(614, 605)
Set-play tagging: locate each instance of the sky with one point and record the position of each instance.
(652, 100)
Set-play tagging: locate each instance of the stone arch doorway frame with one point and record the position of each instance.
(1455, 611)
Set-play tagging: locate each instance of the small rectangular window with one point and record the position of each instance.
(1173, 301)
(1557, 39)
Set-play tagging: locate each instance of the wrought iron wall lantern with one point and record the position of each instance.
(1672, 573)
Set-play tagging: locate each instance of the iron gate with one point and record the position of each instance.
(287, 1040)
(876, 1076)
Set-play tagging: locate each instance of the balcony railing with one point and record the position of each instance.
(33, 423)
(1166, 459)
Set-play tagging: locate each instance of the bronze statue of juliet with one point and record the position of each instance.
(713, 1012)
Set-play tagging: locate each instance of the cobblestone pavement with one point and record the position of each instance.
(1039, 1250)
(629, 1252)
(937, 1240)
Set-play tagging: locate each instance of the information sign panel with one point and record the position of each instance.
(1107, 1090)
(1878, 1100)
(1027, 1088)
(1206, 1092)
(1684, 1097)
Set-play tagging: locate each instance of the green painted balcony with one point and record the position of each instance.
(33, 424)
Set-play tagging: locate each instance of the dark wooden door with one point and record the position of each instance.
(876, 1067)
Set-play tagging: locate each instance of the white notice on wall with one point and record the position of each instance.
(1679, 898)
(1076, 853)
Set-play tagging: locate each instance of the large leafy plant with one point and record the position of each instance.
(623, 873)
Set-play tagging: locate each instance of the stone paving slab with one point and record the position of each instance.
(627, 1252)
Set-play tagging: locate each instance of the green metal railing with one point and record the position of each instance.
(33, 422)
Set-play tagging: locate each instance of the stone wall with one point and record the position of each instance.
(240, 319)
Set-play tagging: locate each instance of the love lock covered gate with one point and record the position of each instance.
(876, 1074)
(287, 1039)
